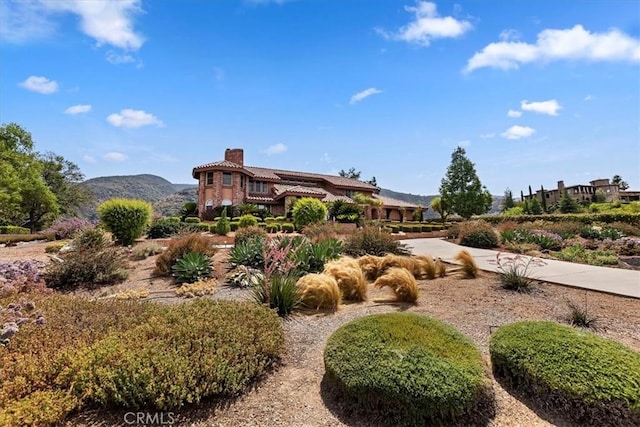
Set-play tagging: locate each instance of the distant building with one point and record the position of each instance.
(230, 182)
(586, 192)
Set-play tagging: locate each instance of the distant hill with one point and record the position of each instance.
(168, 198)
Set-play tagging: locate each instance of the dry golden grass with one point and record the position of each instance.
(348, 274)
(401, 282)
(469, 269)
(424, 267)
(441, 268)
(319, 291)
(370, 265)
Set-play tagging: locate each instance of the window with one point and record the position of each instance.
(242, 181)
(209, 178)
(258, 187)
(547, 194)
(226, 178)
(349, 193)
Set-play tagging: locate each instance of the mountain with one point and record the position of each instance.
(147, 187)
(168, 198)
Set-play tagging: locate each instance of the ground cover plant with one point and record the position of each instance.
(407, 369)
(580, 376)
(132, 355)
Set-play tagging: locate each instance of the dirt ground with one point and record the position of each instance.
(295, 394)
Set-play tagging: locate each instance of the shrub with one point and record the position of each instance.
(514, 272)
(579, 315)
(248, 233)
(222, 225)
(192, 220)
(287, 227)
(320, 231)
(134, 355)
(408, 369)
(12, 229)
(247, 221)
(565, 229)
(87, 268)
(626, 229)
(191, 267)
(54, 248)
(372, 241)
(477, 234)
(349, 278)
(273, 228)
(311, 257)
(127, 219)
(279, 292)
(180, 246)
(234, 225)
(67, 227)
(319, 291)
(469, 267)
(164, 227)
(578, 375)
(308, 210)
(244, 277)
(401, 282)
(577, 253)
(90, 239)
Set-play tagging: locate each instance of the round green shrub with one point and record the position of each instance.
(409, 369)
(127, 219)
(222, 224)
(192, 220)
(163, 228)
(287, 227)
(485, 239)
(273, 227)
(247, 221)
(248, 233)
(308, 211)
(578, 375)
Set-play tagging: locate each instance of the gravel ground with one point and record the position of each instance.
(295, 395)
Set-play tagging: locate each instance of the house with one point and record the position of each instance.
(230, 182)
(585, 193)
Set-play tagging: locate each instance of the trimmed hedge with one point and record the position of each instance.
(12, 229)
(287, 227)
(272, 227)
(408, 369)
(607, 217)
(192, 220)
(580, 376)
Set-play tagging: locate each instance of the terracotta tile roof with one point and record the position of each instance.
(390, 201)
(221, 163)
(283, 188)
(262, 173)
(333, 198)
(258, 199)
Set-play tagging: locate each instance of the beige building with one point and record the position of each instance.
(230, 182)
(585, 193)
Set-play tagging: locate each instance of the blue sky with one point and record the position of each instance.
(536, 91)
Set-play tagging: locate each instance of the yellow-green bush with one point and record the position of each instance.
(583, 378)
(408, 369)
(132, 354)
(127, 219)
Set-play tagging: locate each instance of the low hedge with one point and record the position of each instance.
(14, 238)
(132, 355)
(234, 225)
(12, 229)
(607, 217)
(408, 369)
(192, 220)
(272, 227)
(581, 377)
(287, 227)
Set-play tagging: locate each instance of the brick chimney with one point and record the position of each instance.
(235, 155)
(561, 188)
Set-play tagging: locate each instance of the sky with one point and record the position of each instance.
(535, 91)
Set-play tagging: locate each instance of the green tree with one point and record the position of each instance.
(535, 207)
(351, 173)
(222, 226)
(461, 189)
(544, 199)
(39, 205)
(599, 197)
(568, 204)
(507, 202)
(622, 185)
(64, 179)
(373, 181)
(308, 210)
(127, 219)
(440, 208)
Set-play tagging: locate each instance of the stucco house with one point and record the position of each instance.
(586, 192)
(230, 182)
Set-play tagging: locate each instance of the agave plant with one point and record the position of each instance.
(192, 267)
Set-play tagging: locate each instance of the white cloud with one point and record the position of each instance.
(276, 149)
(550, 107)
(364, 94)
(514, 113)
(128, 118)
(23, 21)
(88, 159)
(465, 143)
(78, 109)
(114, 156)
(106, 21)
(427, 25)
(122, 58)
(510, 35)
(40, 84)
(517, 132)
(555, 45)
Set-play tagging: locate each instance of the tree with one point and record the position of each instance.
(622, 185)
(507, 202)
(535, 207)
(438, 206)
(599, 197)
(544, 199)
(461, 189)
(351, 173)
(373, 181)
(568, 204)
(64, 179)
(223, 227)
